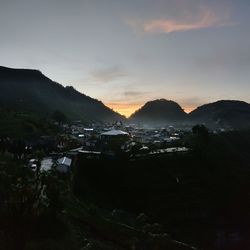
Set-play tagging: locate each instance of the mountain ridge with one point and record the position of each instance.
(31, 90)
(159, 111)
(224, 113)
(232, 113)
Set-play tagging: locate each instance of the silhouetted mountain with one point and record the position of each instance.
(29, 90)
(235, 114)
(159, 112)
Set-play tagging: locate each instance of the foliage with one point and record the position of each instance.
(24, 125)
(158, 112)
(59, 116)
(192, 194)
(30, 91)
(26, 196)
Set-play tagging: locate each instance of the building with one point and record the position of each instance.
(64, 165)
(114, 139)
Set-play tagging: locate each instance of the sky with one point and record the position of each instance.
(128, 52)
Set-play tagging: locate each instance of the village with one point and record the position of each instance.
(98, 141)
(119, 141)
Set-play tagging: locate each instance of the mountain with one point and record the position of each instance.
(25, 90)
(159, 111)
(31, 91)
(223, 113)
(229, 113)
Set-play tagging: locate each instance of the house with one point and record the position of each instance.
(114, 139)
(114, 133)
(115, 136)
(46, 164)
(64, 164)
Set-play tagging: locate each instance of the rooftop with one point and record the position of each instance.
(114, 132)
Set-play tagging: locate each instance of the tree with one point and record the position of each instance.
(201, 132)
(59, 116)
(25, 198)
(200, 139)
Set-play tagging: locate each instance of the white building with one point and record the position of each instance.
(114, 132)
(64, 164)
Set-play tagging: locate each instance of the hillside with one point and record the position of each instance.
(159, 112)
(31, 91)
(229, 113)
(25, 90)
(224, 113)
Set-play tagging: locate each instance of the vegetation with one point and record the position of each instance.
(30, 203)
(39, 211)
(59, 116)
(159, 112)
(196, 196)
(24, 125)
(200, 197)
(30, 91)
(225, 113)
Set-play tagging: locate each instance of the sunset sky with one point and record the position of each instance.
(127, 52)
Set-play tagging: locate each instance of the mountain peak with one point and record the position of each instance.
(19, 70)
(30, 90)
(159, 111)
(232, 113)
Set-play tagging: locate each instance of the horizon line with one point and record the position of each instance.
(127, 111)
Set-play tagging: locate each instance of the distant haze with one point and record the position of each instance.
(126, 53)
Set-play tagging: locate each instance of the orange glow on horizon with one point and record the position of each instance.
(189, 109)
(128, 109)
(124, 109)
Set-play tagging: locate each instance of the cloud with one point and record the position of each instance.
(109, 74)
(135, 94)
(129, 96)
(205, 18)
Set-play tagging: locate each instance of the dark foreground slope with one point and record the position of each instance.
(52, 217)
(29, 90)
(201, 197)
